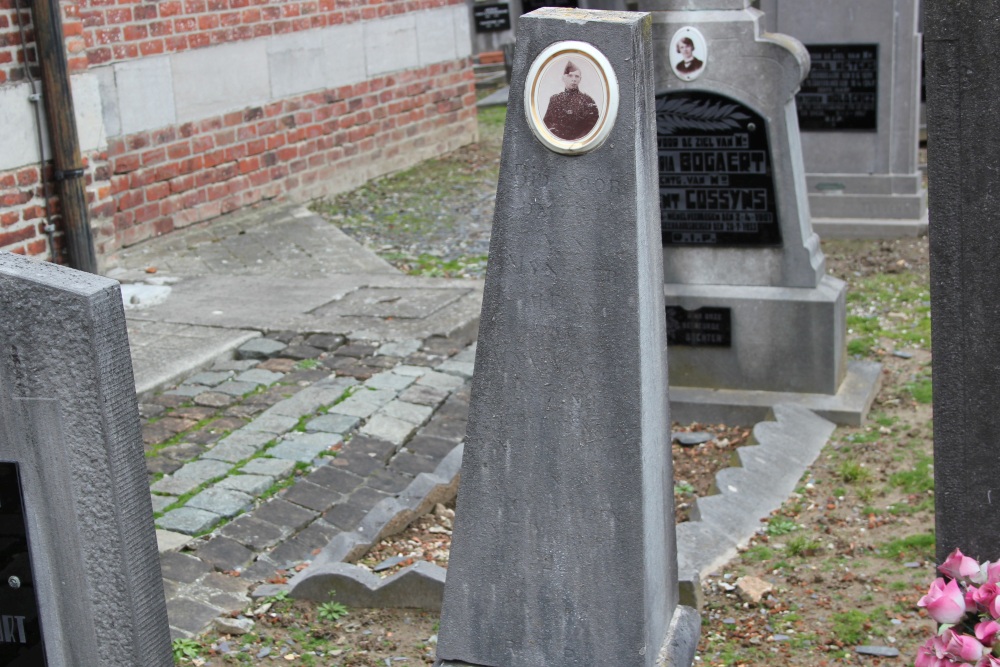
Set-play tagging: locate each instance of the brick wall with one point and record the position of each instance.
(151, 182)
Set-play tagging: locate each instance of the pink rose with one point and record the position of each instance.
(988, 661)
(945, 602)
(961, 647)
(959, 566)
(971, 602)
(930, 654)
(984, 595)
(990, 572)
(986, 632)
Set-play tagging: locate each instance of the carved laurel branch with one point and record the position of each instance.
(677, 114)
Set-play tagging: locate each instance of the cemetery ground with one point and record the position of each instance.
(840, 565)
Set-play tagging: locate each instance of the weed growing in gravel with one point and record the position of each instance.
(331, 611)
(185, 649)
(851, 471)
(921, 390)
(918, 480)
(911, 547)
(801, 545)
(780, 525)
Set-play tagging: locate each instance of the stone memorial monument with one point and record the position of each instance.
(753, 319)
(79, 569)
(963, 84)
(859, 112)
(564, 549)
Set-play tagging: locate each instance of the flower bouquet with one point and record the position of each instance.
(966, 604)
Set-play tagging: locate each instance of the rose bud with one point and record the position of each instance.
(959, 566)
(945, 602)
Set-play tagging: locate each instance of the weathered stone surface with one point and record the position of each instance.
(252, 485)
(568, 427)
(303, 447)
(259, 348)
(188, 520)
(390, 380)
(238, 626)
(253, 533)
(224, 554)
(311, 496)
(269, 467)
(285, 514)
(183, 568)
(752, 589)
(259, 376)
(388, 428)
(333, 423)
(226, 502)
(407, 412)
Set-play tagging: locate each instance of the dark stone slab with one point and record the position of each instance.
(326, 342)
(305, 545)
(161, 465)
(408, 463)
(364, 445)
(254, 533)
(423, 395)
(335, 479)
(443, 426)
(357, 462)
(224, 554)
(214, 399)
(182, 567)
(284, 514)
(356, 350)
(963, 82)
(301, 351)
(388, 481)
(309, 495)
(190, 615)
(348, 514)
(432, 447)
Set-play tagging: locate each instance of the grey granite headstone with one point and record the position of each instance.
(564, 551)
(753, 319)
(859, 113)
(963, 84)
(69, 425)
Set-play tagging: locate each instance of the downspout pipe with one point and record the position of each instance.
(67, 163)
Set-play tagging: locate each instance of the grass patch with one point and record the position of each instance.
(780, 525)
(851, 471)
(921, 390)
(918, 480)
(912, 547)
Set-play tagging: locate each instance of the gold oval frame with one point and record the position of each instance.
(609, 82)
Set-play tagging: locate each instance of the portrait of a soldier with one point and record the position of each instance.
(572, 113)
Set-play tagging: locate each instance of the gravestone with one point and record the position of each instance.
(859, 112)
(80, 568)
(963, 84)
(564, 550)
(753, 319)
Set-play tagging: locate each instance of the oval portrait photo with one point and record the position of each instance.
(688, 53)
(571, 97)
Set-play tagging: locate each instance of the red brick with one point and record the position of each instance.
(151, 47)
(170, 8)
(9, 218)
(16, 236)
(154, 156)
(157, 191)
(27, 176)
(15, 199)
(249, 164)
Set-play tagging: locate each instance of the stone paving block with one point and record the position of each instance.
(252, 485)
(209, 378)
(422, 395)
(190, 615)
(187, 390)
(446, 427)
(305, 545)
(335, 479)
(333, 423)
(407, 412)
(284, 514)
(410, 371)
(326, 342)
(235, 365)
(278, 468)
(432, 447)
(253, 533)
(311, 496)
(402, 348)
(358, 463)
(259, 348)
(462, 369)
(234, 388)
(182, 567)
(467, 355)
(231, 451)
(412, 464)
(301, 351)
(303, 447)
(390, 380)
(188, 520)
(259, 376)
(388, 481)
(377, 448)
(356, 349)
(388, 428)
(191, 476)
(223, 553)
(262, 569)
(278, 365)
(348, 514)
(214, 399)
(161, 503)
(250, 438)
(226, 502)
(440, 381)
(307, 401)
(170, 541)
(161, 465)
(364, 402)
(272, 423)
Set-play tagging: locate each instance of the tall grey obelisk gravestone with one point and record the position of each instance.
(564, 549)
(963, 84)
(80, 576)
(753, 319)
(859, 113)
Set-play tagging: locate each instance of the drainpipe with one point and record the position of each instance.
(67, 164)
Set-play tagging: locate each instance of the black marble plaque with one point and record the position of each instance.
(20, 626)
(841, 91)
(704, 327)
(716, 181)
(491, 17)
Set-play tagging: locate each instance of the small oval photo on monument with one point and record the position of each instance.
(571, 97)
(688, 53)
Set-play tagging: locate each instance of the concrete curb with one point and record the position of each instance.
(721, 524)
